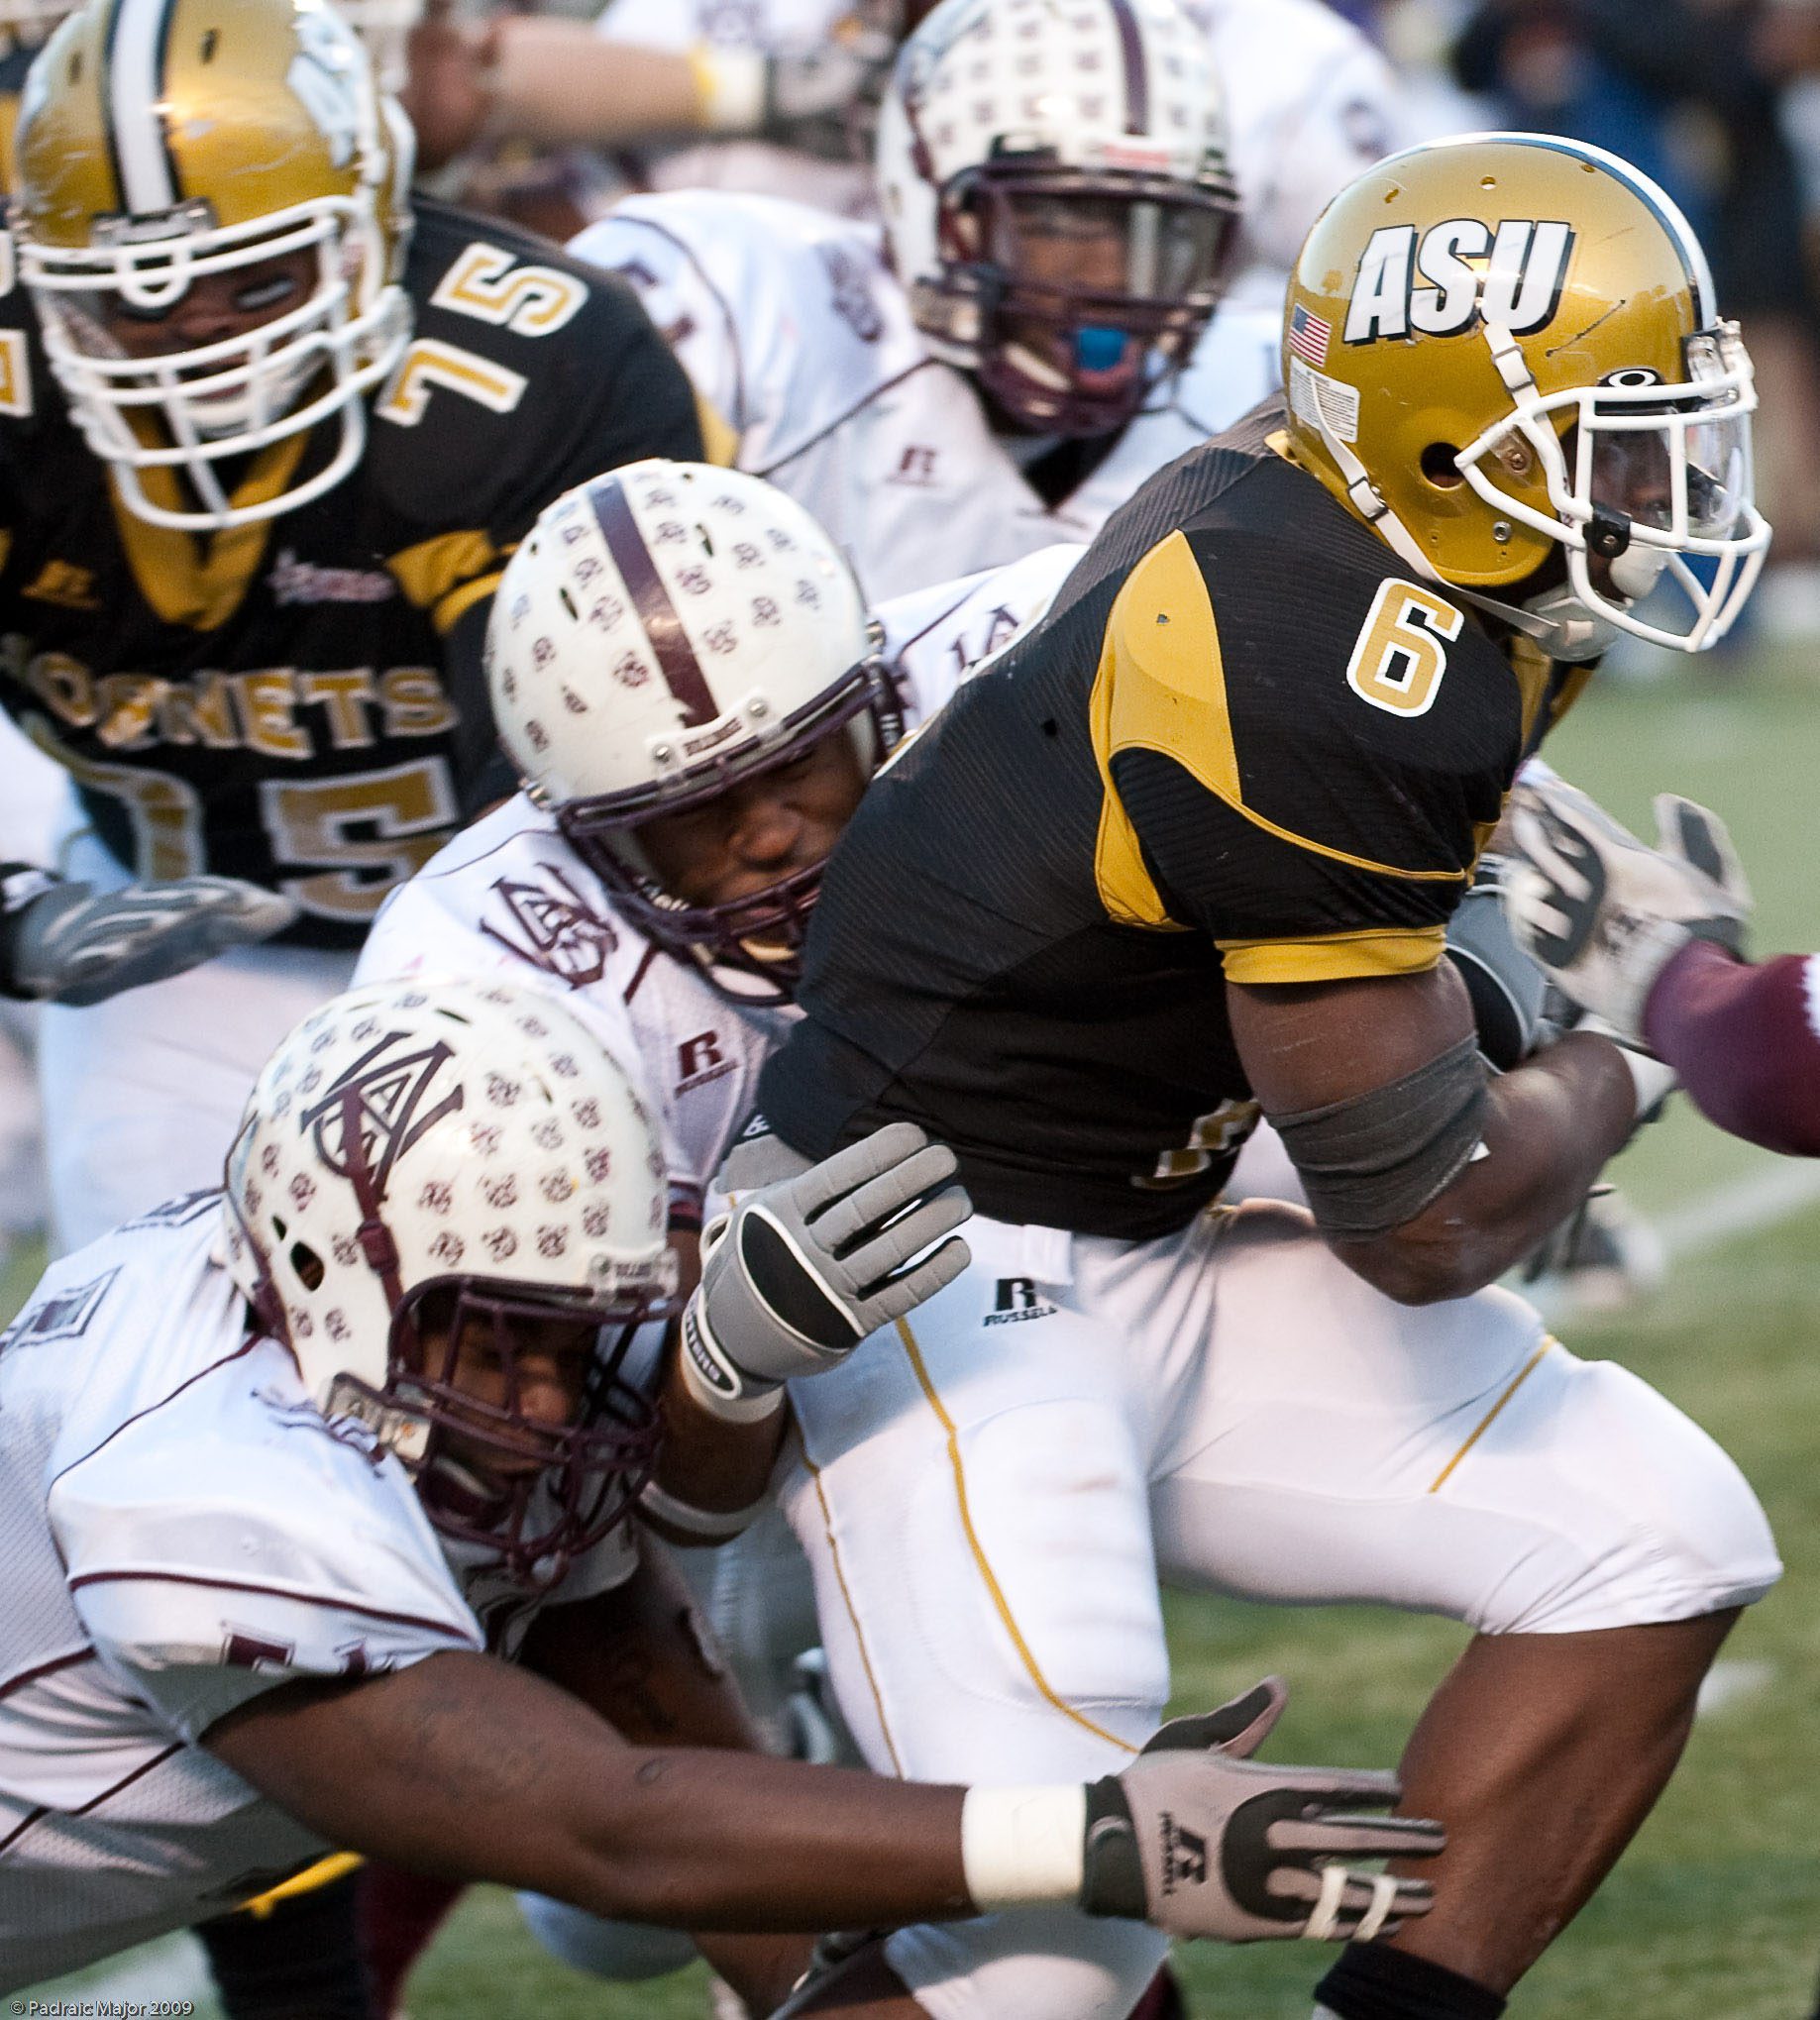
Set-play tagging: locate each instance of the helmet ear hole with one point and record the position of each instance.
(1441, 466)
(307, 1264)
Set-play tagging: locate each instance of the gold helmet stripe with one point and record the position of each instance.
(136, 42)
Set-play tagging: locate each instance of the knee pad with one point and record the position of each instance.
(1652, 1520)
(1045, 1963)
(624, 1952)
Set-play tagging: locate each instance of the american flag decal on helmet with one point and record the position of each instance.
(1309, 336)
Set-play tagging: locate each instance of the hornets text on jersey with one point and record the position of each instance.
(1241, 747)
(300, 701)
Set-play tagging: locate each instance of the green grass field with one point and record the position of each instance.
(1715, 1913)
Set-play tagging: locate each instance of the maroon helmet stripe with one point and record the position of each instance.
(1136, 77)
(676, 657)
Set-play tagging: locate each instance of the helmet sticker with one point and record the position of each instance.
(1328, 406)
(326, 83)
(1513, 277)
(380, 1097)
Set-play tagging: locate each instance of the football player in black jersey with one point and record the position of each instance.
(268, 427)
(1186, 853)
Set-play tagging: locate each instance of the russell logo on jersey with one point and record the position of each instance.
(1018, 1301)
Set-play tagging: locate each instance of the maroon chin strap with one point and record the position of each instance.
(372, 1234)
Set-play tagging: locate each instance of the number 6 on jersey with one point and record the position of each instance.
(1402, 652)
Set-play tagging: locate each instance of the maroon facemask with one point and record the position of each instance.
(536, 1494)
(749, 948)
(1081, 288)
(539, 1495)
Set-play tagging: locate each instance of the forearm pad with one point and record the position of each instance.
(1372, 1162)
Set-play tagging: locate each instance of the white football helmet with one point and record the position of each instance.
(460, 1155)
(164, 141)
(662, 631)
(1015, 134)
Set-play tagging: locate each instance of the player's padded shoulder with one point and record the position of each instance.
(1298, 738)
(785, 315)
(251, 1534)
(1363, 701)
(526, 372)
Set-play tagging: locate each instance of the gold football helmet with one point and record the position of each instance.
(1503, 351)
(160, 142)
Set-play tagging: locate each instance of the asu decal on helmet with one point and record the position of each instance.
(163, 140)
(663, 632)
(419, 1159)
(1053, 180)
(1504, 351)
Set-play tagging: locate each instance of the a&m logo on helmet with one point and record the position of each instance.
(1456, 273)
(373, 1110)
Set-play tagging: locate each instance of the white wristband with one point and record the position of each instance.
(731, 85)
(705, 1524)
(712, 1380)
(1024, 1847)
(1653, 1081)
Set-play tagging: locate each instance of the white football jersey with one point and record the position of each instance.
(509, 895)
(760, 167)
(793, 328)
(182, 1528)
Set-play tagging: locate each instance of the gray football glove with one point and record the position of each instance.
(803, 1268)
(73, 944)
(1201, 1841)
(1604, 913)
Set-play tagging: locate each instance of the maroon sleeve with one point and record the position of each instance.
(1746, 1041)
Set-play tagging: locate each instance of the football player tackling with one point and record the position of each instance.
(1186, 852)
(294, 1474)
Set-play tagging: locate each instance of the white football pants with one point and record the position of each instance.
(990, 1490)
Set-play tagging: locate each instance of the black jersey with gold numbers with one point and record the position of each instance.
(300, 701)
(1241, 746)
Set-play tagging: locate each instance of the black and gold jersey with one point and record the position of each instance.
(1241, 746)
(301, 700)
